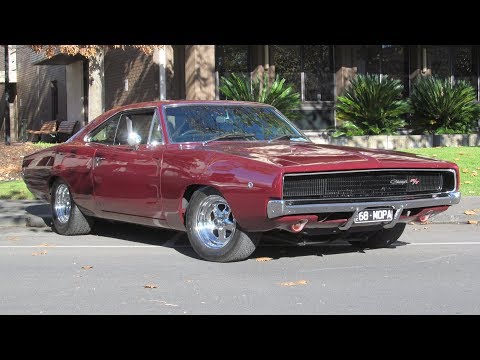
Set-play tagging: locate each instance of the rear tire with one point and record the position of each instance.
(67, 217)
(382, 238)
(213, 231)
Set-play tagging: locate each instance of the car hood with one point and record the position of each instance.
(311, 155)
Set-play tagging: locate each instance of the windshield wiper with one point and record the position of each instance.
(230, 136)
(284, 137)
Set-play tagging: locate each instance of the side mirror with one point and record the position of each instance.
(134, 140)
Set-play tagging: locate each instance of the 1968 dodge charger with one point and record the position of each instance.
(225, 172)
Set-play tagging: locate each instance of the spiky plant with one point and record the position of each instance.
(371, 105)
(278, 93)
(443, 107)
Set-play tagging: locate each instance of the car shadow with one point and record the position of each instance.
(269, 247)
(39, 215)
(276, 252)
(135, 233)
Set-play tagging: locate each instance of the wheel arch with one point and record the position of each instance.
(187, 195)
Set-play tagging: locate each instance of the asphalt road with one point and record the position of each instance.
(433, 269)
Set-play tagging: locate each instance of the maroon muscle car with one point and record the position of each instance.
(225, 172)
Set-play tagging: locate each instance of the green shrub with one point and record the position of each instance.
(443, 107)
(278, 94)
(371, 105)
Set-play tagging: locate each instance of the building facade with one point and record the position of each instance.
(75, 88)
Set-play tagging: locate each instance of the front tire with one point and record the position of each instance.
(67, 217)
(382, 238)
(213, 231)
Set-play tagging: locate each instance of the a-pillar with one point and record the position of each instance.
(200, 72)
(96, 88)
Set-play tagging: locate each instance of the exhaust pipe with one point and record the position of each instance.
(296, 228)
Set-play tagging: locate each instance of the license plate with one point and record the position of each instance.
(374, 215)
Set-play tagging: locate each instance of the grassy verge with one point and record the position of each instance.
(15, 190)
(467, 159)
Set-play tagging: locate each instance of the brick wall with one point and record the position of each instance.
(138, 68)
(2, 96)
(34, 90)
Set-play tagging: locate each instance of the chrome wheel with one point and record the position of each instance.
(214, 223)
(62, 204)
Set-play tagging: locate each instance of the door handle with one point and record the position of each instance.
(98, 159)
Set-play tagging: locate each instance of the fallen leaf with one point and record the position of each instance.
(468, 182)
(474, 173)
(456, 159)
(411, 223)
(478, 168)
(13, 238)
(461, 153)
(46, 245)
(465, 170)
(434, 155)
(294, 283)
(470, 212)
(477, 210)
(471, 192)
(472, 222)
(262, 259)
(87, 267)
(150, 286)
(43, 252)
(164, 302)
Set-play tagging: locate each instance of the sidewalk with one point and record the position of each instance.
(36, 213)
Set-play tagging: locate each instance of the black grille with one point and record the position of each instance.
(370, 184)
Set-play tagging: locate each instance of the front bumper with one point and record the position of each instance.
(278, 208)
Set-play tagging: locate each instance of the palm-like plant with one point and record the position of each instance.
(278, 93)
(442, 106)
(371, 105)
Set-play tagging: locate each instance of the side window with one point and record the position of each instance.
(139, 122)
(105, 133)
(156, 131)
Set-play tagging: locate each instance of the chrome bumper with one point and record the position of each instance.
(277, 208)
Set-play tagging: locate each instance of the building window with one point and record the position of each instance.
(231, 59)
(309, 68)
(454, 62)
(54, 98)
(391, 60)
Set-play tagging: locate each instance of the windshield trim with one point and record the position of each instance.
(220, 103)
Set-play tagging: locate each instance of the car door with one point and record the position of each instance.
(126, 179)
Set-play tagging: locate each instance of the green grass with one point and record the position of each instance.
(15, 190)
(43, 145)
(468, 161)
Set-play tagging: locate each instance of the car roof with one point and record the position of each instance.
(185, 102)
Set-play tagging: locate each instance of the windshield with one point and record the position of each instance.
(212, 122)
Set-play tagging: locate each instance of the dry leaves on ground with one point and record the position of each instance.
(43, 252)
(150, 286)
(11, 159)
(468, 182)
(472, 222)
(294, 283)
(263, 259)
(87, 267)
(470, 212)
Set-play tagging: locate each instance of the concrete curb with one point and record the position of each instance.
(36, 213)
